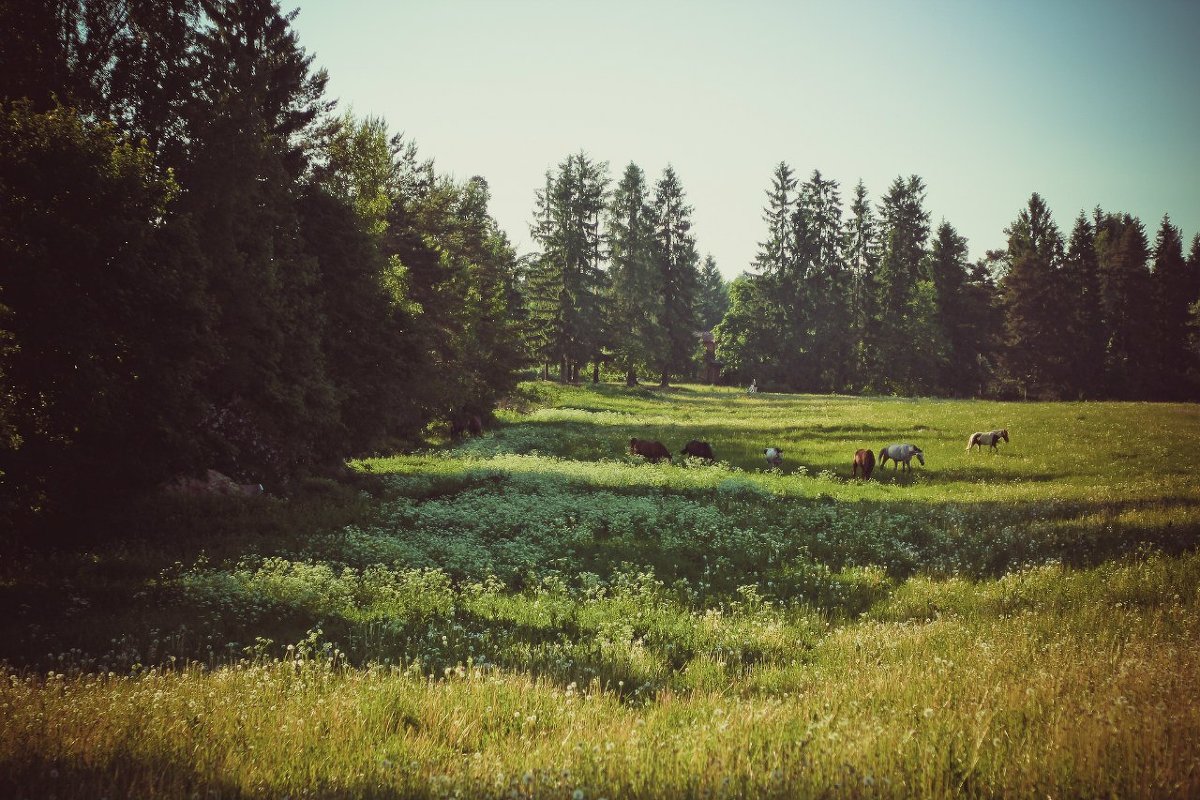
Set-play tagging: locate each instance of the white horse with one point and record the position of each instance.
(774, 456)
(901, 454)
(990, 438)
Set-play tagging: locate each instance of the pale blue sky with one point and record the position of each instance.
(1087, 103)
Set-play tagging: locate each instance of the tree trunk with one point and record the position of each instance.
(596, 371)
(631, 378)
(666, 380)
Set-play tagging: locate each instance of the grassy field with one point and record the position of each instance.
(534, 613)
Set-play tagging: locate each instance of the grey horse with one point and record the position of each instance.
(901, 454)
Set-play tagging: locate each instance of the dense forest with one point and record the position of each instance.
(204, 264)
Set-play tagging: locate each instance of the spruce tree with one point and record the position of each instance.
(1123, 254)
(1036, 350)
(676, 258)
(251, 124)
(1174, 293)
(1085, 320)
(633, 301)
(904, 224)
(712, 296)
(819, 238)
(568, 304)
(861, 251)
(947, 268)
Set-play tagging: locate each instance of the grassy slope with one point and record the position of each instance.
(534, 613)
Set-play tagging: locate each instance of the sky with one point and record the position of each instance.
(1089, 104)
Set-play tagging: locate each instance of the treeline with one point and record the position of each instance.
(864, 298)
(617, 281)
(201, 266)
(875, 301)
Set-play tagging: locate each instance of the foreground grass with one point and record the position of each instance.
(534, 614)
(1045, 682)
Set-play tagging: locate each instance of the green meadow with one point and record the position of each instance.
(535, 613)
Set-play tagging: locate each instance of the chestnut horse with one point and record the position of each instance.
(864, 460)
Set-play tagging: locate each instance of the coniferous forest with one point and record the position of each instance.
(205, 263)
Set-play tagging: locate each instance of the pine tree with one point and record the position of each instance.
(819, 237)
(1035, 354)
(251, 126)
(1085, 321)
(633, 304)
(568, 306)
(904, 231)
(1174, 293)
(947, 267)
(712, 296)
(861, 250)
(776, 255)
(1123, 254)
(676, 258)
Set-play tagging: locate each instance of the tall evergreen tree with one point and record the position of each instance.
(1174, 292)
(712, 295)
(1123, 254)
(1036, 347)
(861, 251)
(633, 307)
(947, 267)
(676, 257)
(904, 231)
(819, 236)
(1084, 313)
(252, 122)
(568, 305)
(776, 255)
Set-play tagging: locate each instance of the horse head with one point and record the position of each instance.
(1004, 434)
(920, 456)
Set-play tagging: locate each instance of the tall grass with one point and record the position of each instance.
(535, 614)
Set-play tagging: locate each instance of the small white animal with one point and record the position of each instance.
(774, 456)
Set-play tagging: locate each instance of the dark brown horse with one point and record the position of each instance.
(650, 450)
(864, 460)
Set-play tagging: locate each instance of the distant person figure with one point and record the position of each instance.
(774, 456)
(753, 387)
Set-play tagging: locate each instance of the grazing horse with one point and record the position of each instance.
(774, 456)
(698, 449)
(650, 450)
(864, 460)
(901, 454)
(991, 439)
